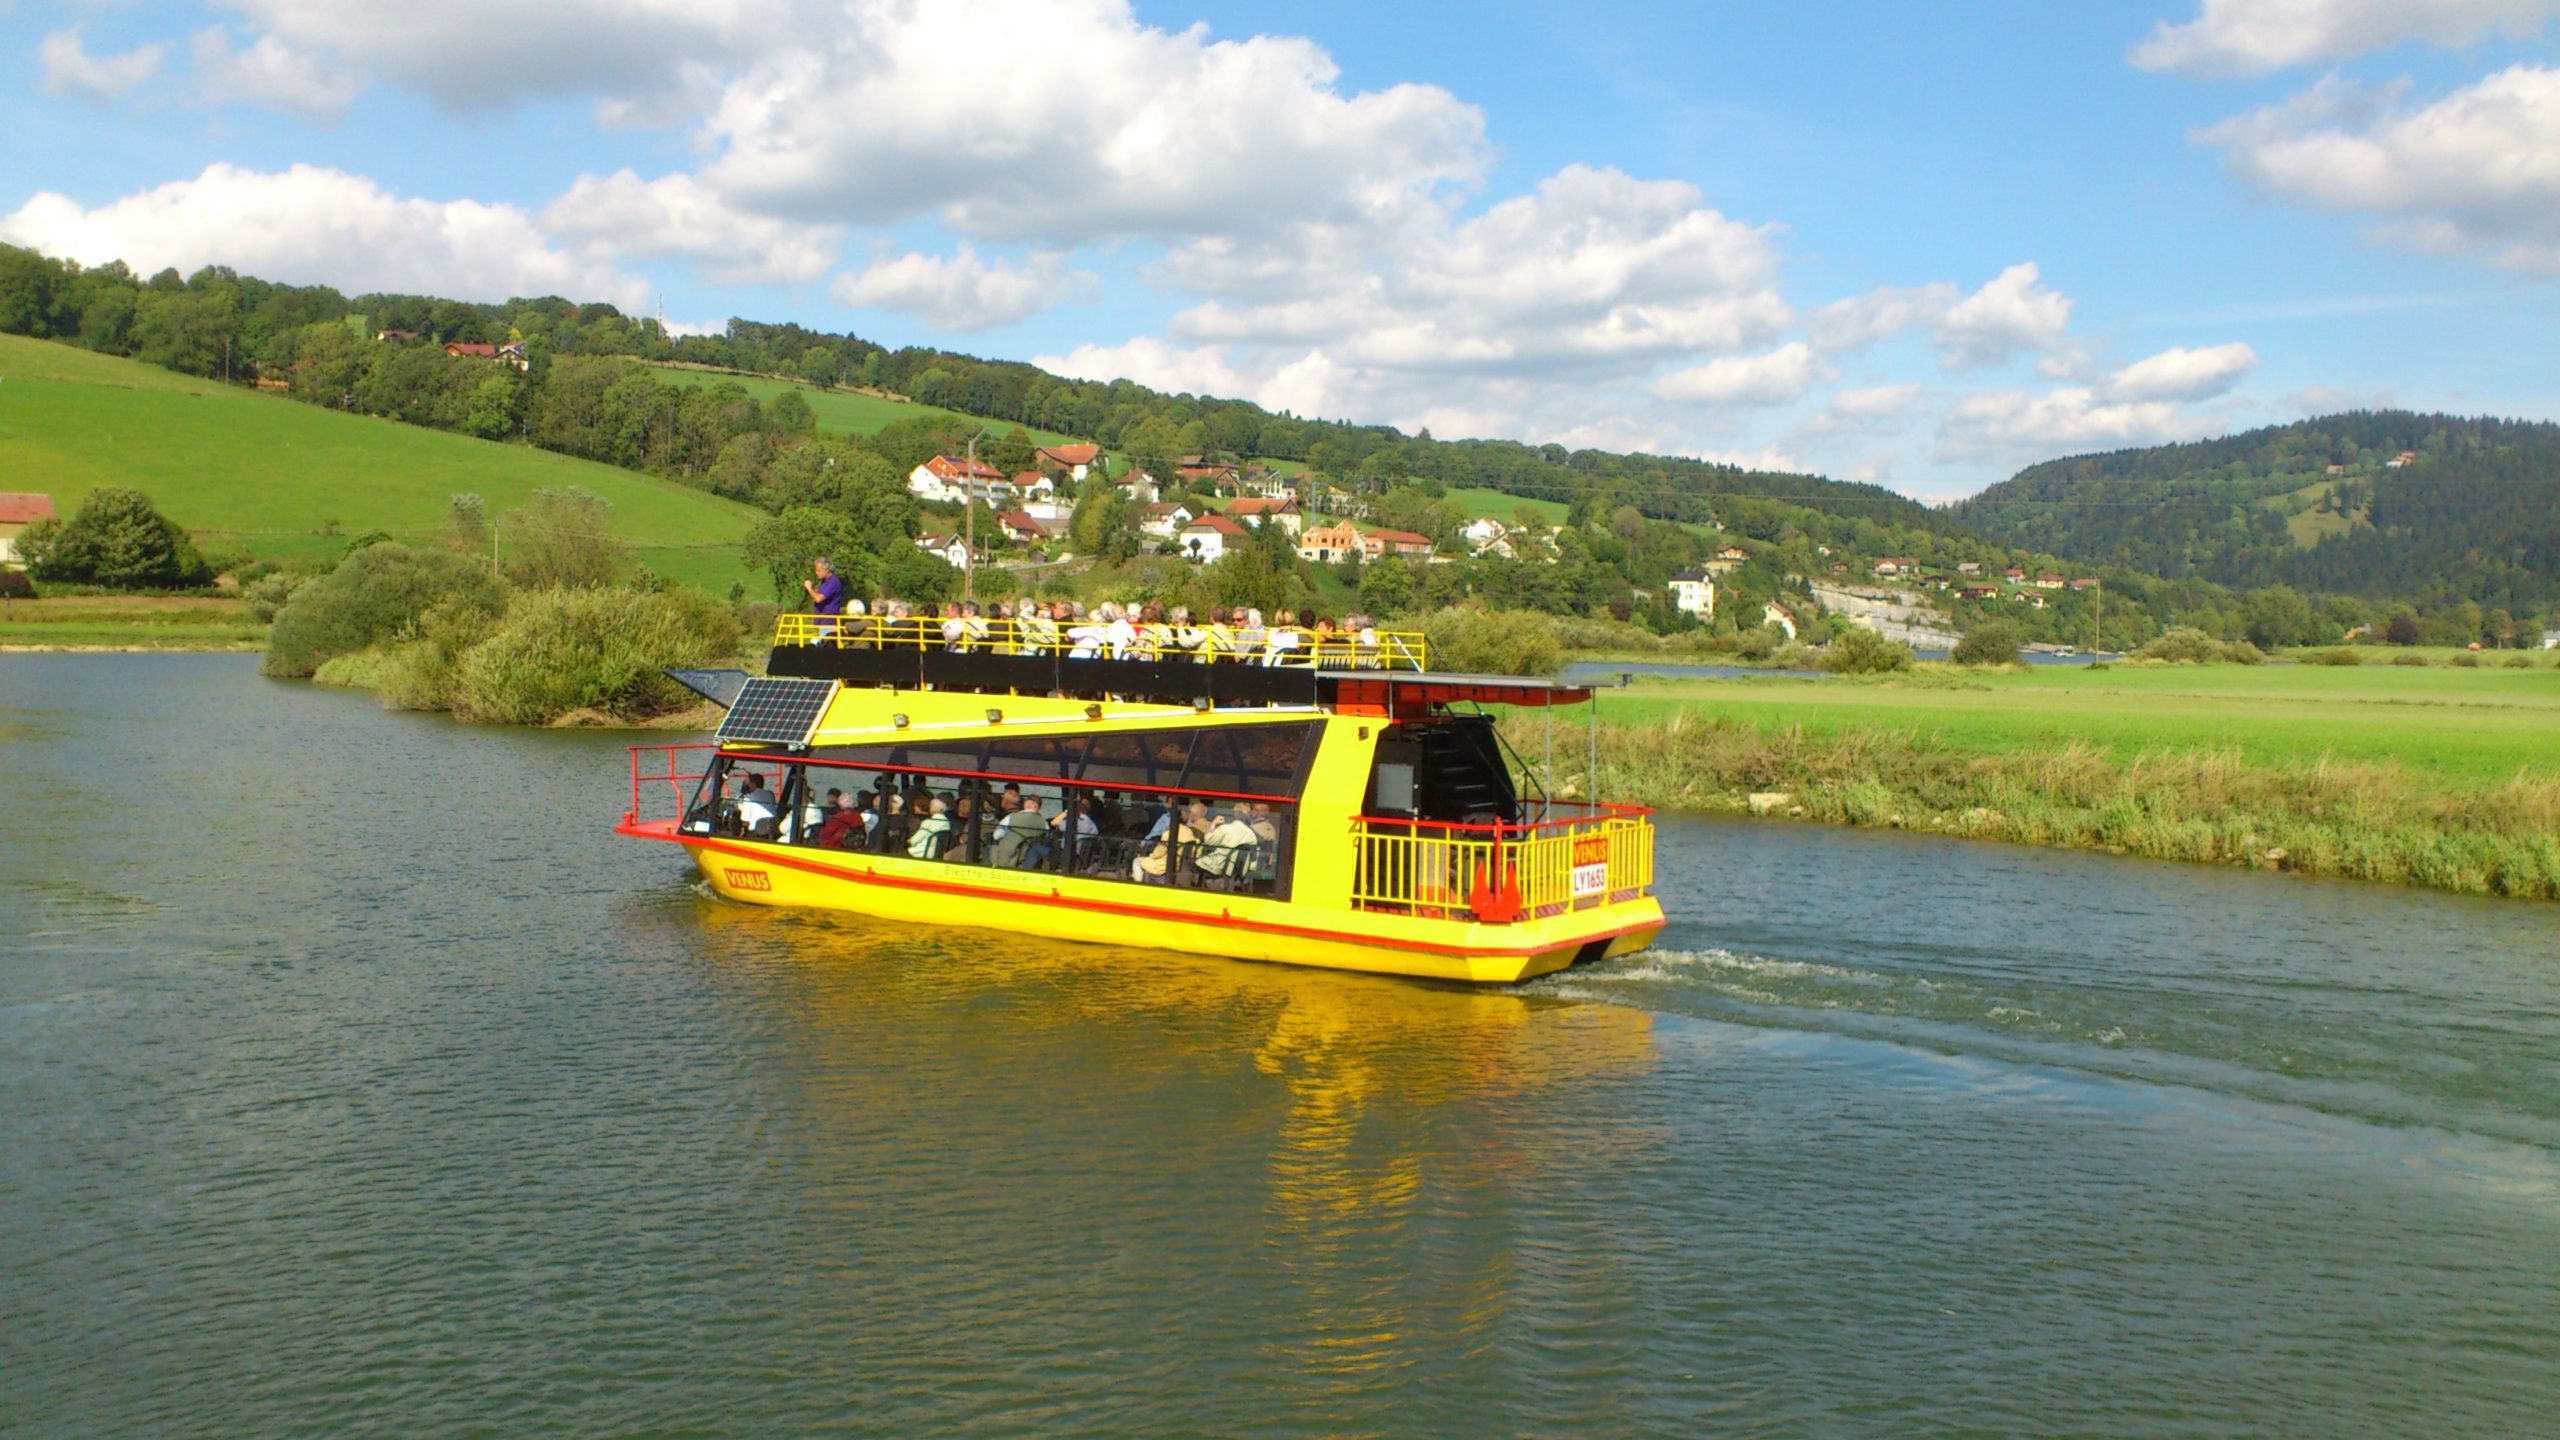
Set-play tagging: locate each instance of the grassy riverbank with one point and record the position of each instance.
(2442, 778)
(129, 622)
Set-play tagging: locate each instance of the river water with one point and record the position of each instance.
(354, 1079)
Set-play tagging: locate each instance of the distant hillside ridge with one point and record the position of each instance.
(2375, 503)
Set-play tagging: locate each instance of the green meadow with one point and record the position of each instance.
(2437, 776)
(848, 412)
(291, 481)
(2458, 726)
(129, 622)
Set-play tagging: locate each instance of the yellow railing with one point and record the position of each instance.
(1297, 648)
(1501, 873)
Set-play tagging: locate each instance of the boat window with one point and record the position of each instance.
(1113, 806)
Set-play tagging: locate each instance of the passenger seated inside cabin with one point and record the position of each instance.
(933, 832)
(1225, 857)
(1168, 843)
(1022, 831)
(758, 810)
(845, 826)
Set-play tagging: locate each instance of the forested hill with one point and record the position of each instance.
(217, 323)
(2382, 503)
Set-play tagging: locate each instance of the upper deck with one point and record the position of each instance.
(1378, 672)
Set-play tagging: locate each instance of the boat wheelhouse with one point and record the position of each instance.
(1344, 807)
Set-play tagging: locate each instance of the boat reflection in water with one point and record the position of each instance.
(1304, 1127)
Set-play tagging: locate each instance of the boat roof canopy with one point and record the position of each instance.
(1169, 681)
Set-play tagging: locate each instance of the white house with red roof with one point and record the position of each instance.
(1030, 485)
(18, 510)
(1163, 521)
(1021, 529)
(1260, 510)
(943, 480)
(1074, 461)
(1211, 536)
(951, 550)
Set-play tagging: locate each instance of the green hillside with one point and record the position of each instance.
(2473, 513)
(288, 480)
(847, 412)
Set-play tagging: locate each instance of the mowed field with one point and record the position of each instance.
(2457, 727)
(848, 412)
(274, 474)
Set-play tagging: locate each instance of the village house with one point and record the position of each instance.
(2551, 639)
(1073, 461)
(1163, 521)
(1977, 592)
(2084, 584)
(1029, 485)
(1693, 592)
(394, 337)
(1021, 529)
(943, 480)
(1216, 472)
(1771, 614)
(2013, 574)
(18, 510)
(2401, 461)
(1140, 487)
(1259, 510)
(2048, 582)
(2337, 470)
(951, 550)
(1890, 566)
(1208, 538)
(1968, 567)
(1482, 532)
(1379, 543)
(1328, 544)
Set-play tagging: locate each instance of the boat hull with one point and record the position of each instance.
(1162, 917)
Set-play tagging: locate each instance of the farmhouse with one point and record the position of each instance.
(2013, 574)
(1968, 567)
(2084, 584)
(2048, 582)
(1021, 529)
(18, 510)
(1693, 592)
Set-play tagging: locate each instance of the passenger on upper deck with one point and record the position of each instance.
(826, 593)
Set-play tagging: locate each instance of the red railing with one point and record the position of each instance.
(665, 774)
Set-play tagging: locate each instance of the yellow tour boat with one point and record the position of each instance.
(1340, 805)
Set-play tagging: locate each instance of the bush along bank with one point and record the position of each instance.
(2355, 821)
(430, 630)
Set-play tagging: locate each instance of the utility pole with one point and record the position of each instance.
(2098, 623)
(493, 547)
(969, 519)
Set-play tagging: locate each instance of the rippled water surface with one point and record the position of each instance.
(354, 1079)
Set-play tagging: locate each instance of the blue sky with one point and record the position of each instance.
(1921, 245)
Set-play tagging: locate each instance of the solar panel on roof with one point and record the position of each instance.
(777, 711)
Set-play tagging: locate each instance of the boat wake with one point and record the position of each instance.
(2242, 1040)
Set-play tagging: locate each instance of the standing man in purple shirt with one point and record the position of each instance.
(826, 595)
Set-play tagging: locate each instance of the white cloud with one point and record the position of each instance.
(2254, 37)
(309, 225)
(1119, 128)
(2011, 425)
(617, 215)
(1526, 319)
(2012, 313)
(1878, 315)
(269, 72)
(1773, 378)
(470, 54)
(2477, 172)
(2183, 374)
(71, 71)
(963, 291)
